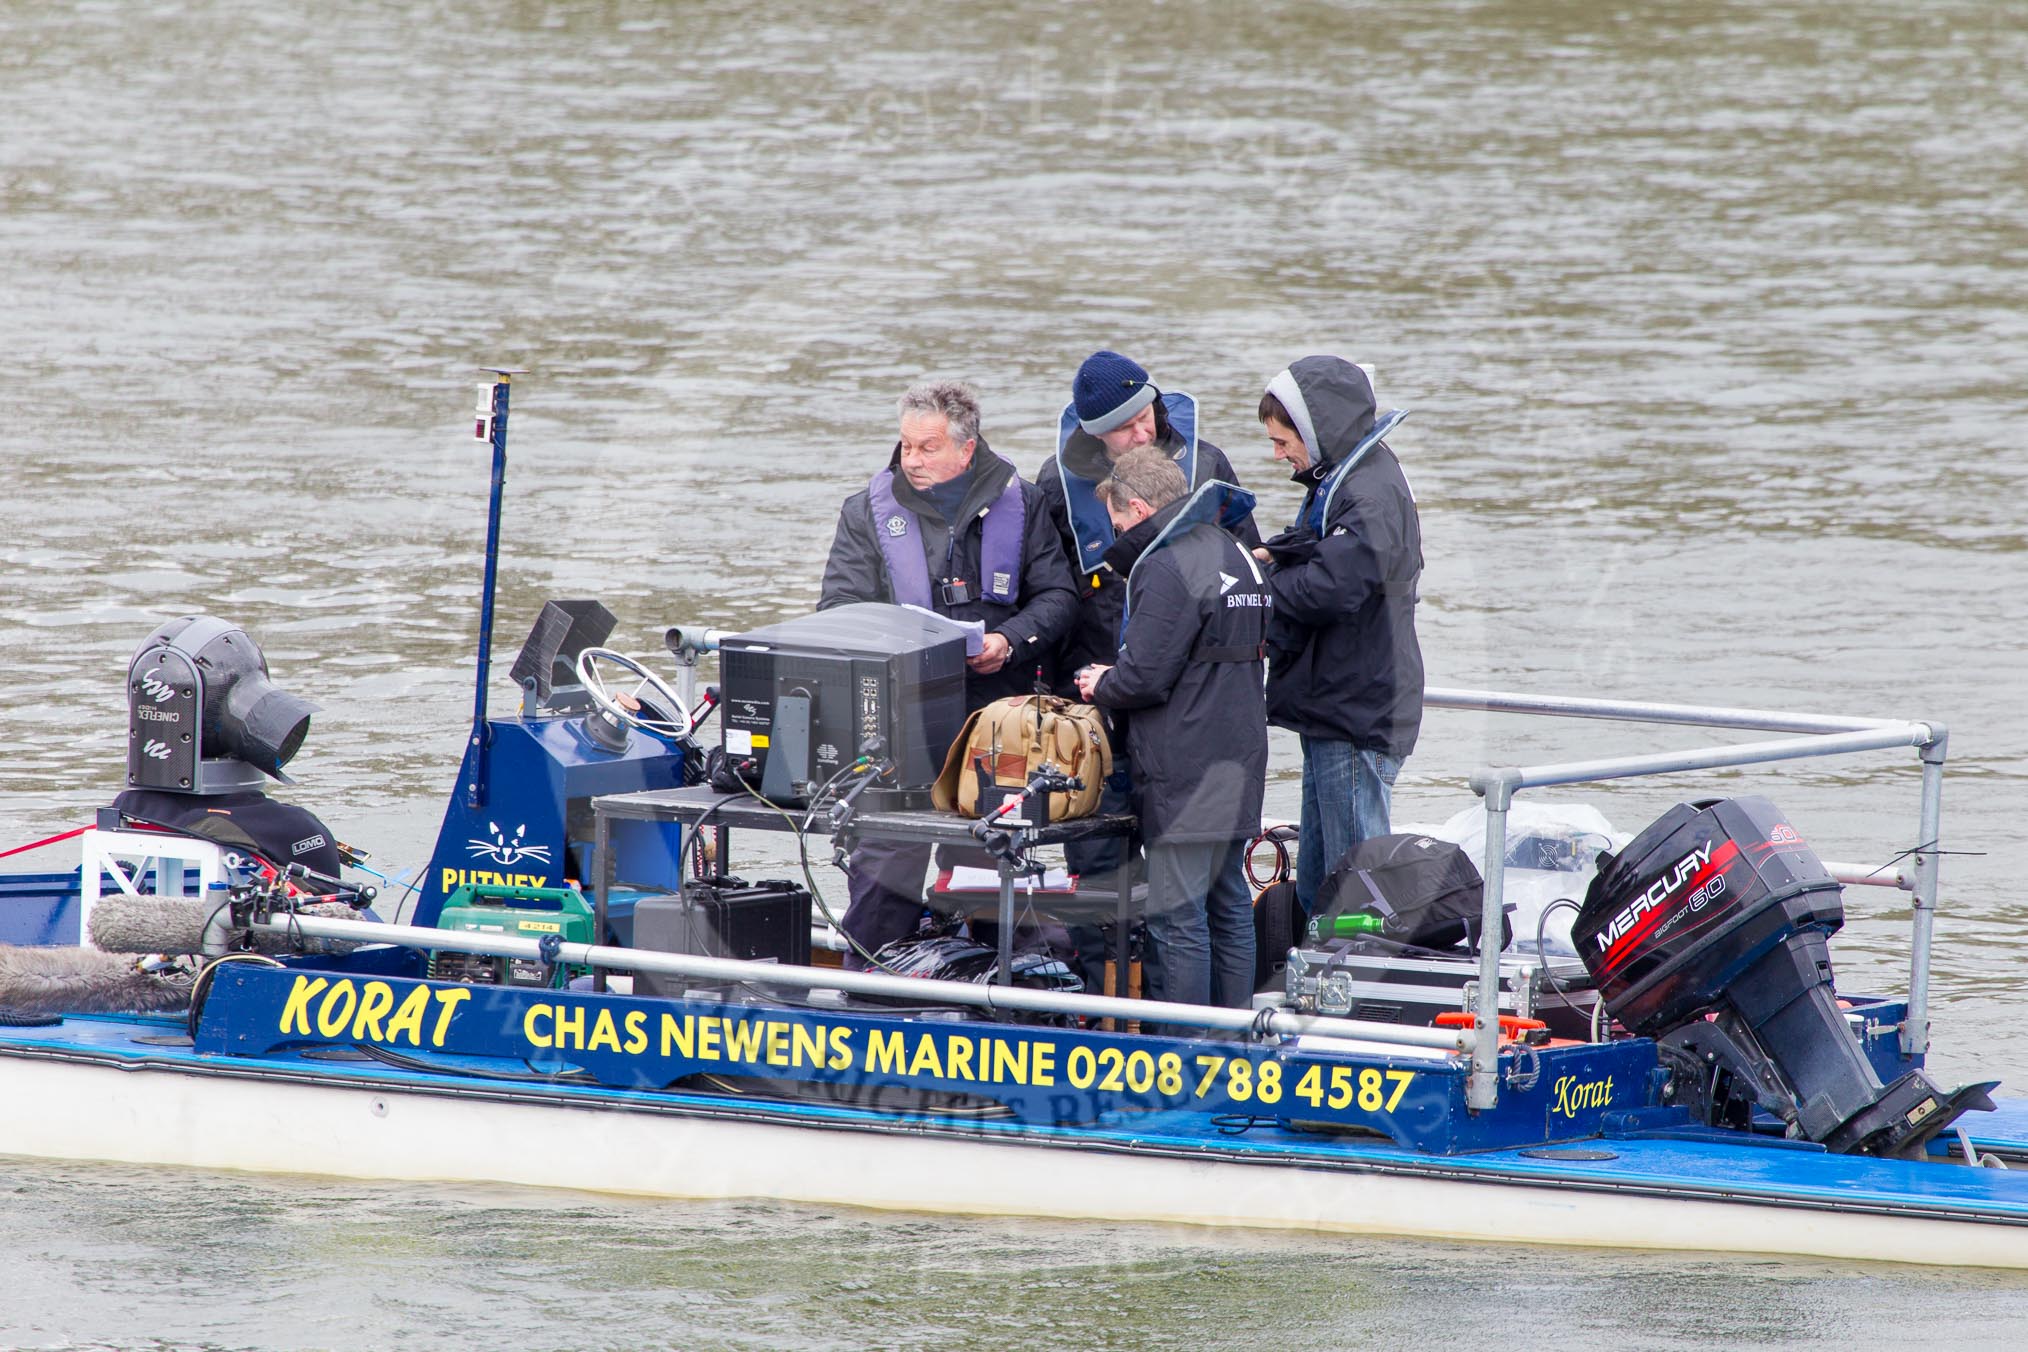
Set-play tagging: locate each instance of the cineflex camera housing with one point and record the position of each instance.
(202, 715)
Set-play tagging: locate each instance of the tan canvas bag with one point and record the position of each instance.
(1010, 738)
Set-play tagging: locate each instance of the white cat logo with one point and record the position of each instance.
(502, 851)
(155, 688)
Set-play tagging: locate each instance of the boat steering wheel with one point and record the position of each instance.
(593, 679)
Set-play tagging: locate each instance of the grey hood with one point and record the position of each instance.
(1330, 401)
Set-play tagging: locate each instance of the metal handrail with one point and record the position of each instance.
(1883, 875)
(920, 991)
(1819, 735)
(1632, 711)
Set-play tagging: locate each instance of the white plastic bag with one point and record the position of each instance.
(1552, 853)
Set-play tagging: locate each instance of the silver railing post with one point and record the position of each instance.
(1810, 735)
(1915, 1028)
(1482, 1090)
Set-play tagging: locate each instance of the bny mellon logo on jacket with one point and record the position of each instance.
(1226, 582)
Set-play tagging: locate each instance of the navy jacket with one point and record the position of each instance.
(1196, 718)
(1043, 606)
(1344, 662)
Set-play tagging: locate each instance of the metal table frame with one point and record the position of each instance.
(732, 812)
(1809, 735)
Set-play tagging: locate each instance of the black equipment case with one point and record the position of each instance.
(803, 698)
(722, 918)
(1352, 979)
(1427, 892)
(1424, 898)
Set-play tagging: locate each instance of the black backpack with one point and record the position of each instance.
(1426, 891)
(1277, 927)
(1277, 919)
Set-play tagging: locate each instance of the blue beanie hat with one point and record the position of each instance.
(1108, 390)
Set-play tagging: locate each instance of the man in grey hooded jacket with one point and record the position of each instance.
(1344, 667)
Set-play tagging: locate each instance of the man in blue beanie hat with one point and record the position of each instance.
(1113, 409)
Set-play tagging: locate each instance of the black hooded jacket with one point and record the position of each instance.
(1043, 605)
(1101, 595)
(1344, 662)
(1197, 721)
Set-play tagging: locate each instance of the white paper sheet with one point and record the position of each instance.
(967, 879)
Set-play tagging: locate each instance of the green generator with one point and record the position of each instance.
(520, 913)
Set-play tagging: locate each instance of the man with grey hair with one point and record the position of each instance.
(1188, 681)
(1140, 486)
(949, 526)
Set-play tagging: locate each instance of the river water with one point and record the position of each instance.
(1714, 322)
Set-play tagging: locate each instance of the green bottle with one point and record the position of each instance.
(1347, 926)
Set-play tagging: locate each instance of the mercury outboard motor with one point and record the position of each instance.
(1720, 908)
(202, 716)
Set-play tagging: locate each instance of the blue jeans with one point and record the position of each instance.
(1200, 926)
(1346, 797)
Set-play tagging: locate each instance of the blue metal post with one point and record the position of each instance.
(475, 790)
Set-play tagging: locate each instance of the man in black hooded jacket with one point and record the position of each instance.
(1188, 678)
(1344, 667)
(949, 526)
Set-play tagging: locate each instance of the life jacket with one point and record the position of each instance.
(1320, 500)
(1224, 505)
(899, 533)
(1090, 527)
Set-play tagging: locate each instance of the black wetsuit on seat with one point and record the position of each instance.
(282, 833)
